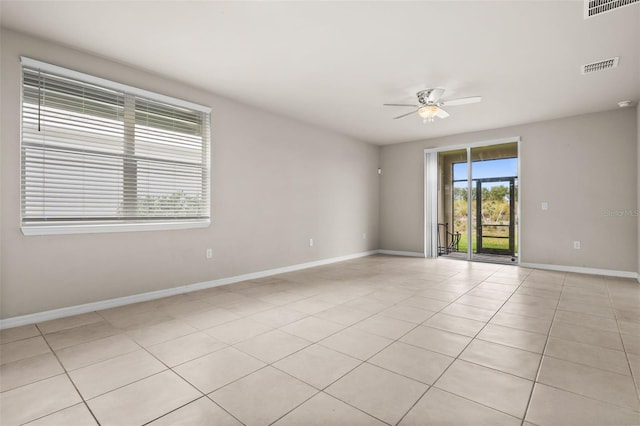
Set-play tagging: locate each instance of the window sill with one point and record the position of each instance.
(110, 227)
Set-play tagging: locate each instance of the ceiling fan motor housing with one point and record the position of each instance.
(423, 97)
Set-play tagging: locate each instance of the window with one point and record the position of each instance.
(99, 156)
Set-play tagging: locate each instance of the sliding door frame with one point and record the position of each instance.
(431, 198)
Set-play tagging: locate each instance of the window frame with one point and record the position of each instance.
(116, 224)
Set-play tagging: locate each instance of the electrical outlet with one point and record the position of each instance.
(310, 242)
(576, 245)
(545, 205)
(364, 235)
(209, 253)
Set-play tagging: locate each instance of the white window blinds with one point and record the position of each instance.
(97, 153)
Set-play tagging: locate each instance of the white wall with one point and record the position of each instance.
(585, 167)
(638, 184)
(276, 183)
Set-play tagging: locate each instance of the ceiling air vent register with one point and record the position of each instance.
(600, 65)
(597, 7)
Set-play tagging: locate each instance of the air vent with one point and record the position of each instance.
(597, 7)
(600, 65)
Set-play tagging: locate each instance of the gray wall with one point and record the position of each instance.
(585, 167)
(276, 183)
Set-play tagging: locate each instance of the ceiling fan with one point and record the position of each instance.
(429, 104)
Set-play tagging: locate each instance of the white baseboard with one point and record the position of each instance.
(143, 297)
(401, 253)
(582, 270)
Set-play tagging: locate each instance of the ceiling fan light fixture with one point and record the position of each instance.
(429, 103)
(428, 112)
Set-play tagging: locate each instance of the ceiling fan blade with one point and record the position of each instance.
(402, 105)
(442, 113)
(462, 101)
(434, 96)
(404, 115)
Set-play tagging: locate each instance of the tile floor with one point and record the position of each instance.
(372, 341)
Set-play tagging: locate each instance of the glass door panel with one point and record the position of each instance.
(494, 227)
(494, 205)
(452, 203)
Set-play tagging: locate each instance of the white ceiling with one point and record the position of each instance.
(334, 63)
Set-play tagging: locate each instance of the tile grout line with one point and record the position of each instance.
(635, 380)
(565, 275)
(191, 402)
(69, 378)
(371, 356)
(168, 368)
(544, 349)
(578, 363)
(373, 314)
(463, 349)
(352, 325)
(145, 349)
(124, 331)
(322, 391)
(319, 391)
(476, 337)
(362, 362)
(177, 374)
(592, 398)
(312, 343)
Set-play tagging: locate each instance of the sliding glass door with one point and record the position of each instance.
(494, 179)
(474, 202)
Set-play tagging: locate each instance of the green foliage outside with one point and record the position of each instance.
(178, 202)
(492, 243)
(175, 204)
(495, 211)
